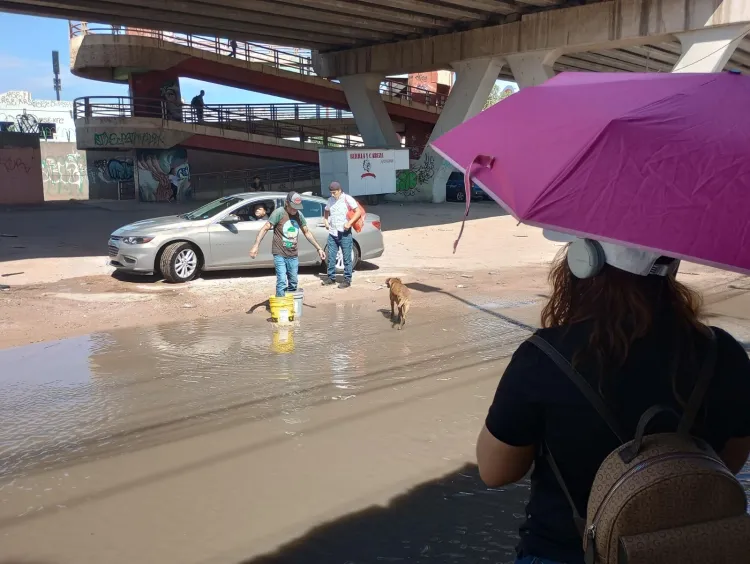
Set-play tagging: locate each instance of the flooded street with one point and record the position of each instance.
(232, 440)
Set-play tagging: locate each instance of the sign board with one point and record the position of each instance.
(362, 171)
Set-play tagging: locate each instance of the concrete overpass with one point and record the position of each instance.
(361, 41)
(146, 59)
(124, 123)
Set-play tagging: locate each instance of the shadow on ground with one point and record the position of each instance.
(424, 288)
(455, 518)
(238, 274)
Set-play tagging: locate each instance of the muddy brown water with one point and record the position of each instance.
(232, 440)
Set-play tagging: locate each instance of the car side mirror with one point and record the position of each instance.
(231, 218)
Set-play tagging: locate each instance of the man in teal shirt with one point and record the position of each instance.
(286, 223)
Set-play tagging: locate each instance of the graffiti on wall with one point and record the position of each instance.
(109, 171)
(23, 98)
(408, 182)
(30, 123)
(162, 174)
(14, 165)
(170, 94)
(129, 139)
(64, 176)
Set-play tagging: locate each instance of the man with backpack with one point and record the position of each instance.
(341, 214)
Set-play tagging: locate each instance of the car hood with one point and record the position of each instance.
(155, 225)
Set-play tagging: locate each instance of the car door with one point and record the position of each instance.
(312, 209)
(231, 242)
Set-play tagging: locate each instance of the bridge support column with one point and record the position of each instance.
(532, 69)
(363, 95)
(709, 49)
(474, 82)
(148, 87)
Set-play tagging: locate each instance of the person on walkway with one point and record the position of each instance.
(257, 185)
(286, 223)
(197, 105)
(633, 332)
(233, 45)
(340, 232)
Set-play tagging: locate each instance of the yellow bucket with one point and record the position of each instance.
(279, 304)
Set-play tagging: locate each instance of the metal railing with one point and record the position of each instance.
(284, 58)
(212, 185)
(247, 118)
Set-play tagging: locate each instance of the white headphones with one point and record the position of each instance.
(585, 258)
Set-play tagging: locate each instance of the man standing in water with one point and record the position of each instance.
(286, 223)
(340, 232)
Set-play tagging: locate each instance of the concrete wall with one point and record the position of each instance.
(20, 169)
(70, 174)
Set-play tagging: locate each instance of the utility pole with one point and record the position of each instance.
(57, 84)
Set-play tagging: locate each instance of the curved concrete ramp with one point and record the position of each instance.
(99, 55)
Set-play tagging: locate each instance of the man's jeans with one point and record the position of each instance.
(286, 274)
(344, 242)
(534, 560)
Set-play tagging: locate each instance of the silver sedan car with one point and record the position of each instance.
(219, 235)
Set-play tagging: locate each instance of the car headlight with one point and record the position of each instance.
(137, 240)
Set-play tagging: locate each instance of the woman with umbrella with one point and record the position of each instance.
(640, 168)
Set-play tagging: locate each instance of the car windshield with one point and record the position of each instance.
(213, 208)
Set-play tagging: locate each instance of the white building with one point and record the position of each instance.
(52, 120)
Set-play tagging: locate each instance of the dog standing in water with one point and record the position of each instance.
(400, 299)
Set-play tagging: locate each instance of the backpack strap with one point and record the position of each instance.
(700, 389)
(589, 393)
(579, 521)
(594, 399)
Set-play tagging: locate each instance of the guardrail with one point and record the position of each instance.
(247, 118)
(293, 60)
(212, 185)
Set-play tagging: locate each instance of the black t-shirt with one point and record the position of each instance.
(536, 402)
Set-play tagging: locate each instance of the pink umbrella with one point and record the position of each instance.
(652, 161)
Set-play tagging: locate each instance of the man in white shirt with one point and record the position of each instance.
(340, 232)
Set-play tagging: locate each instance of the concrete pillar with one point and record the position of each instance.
(474, 82)
(534, 68)
(363, 95)
(709, 49)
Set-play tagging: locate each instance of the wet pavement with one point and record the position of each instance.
(232, 440)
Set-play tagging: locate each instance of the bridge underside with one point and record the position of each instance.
(317, 24)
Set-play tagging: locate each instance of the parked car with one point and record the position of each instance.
(455, 190)
(219, 235)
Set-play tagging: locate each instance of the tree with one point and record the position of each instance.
(494, 97)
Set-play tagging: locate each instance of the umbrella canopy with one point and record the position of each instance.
(653, 161)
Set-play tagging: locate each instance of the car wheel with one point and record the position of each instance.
(340, 259)
(460, 197)
(179, 263)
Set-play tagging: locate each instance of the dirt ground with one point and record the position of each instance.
(52, 257)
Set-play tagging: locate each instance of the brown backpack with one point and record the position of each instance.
(663, 498)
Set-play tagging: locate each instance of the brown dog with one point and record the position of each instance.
(400, 298)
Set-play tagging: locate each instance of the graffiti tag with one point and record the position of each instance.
(63, 175)
(10, 165)
(133, 138)
(408, 181)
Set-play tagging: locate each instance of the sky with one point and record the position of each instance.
(26, 64)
